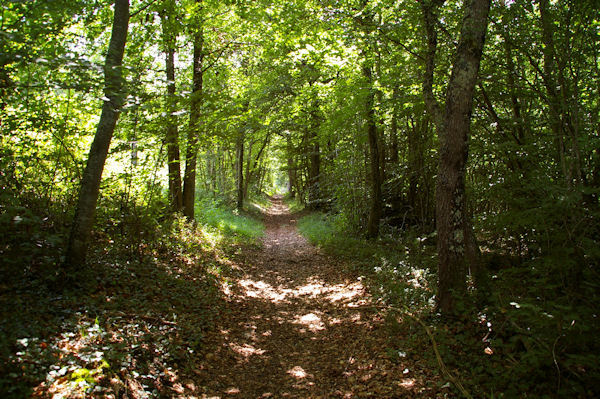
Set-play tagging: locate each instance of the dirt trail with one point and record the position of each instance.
(298, 326)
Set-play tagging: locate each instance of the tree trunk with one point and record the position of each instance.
(394, 130)
(430, 16)
(90, 184)
(251, 171)
(518, 122)
(455, 235)
(558, 93)
(314, 172)
(414, 161)
(191, 154)
(291, 168)
(374, 154)
(314, 158)
(240, 172)
(248, 163)
(172, 135)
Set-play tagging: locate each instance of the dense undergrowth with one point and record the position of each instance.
(135, 321)
(521, 338)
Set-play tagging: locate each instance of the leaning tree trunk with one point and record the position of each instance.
(455, 235)
(191, 154)
(90, 184)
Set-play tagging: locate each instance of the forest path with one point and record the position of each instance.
(297, 325)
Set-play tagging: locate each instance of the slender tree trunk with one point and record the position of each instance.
(314, 172)
(394, 130)
(248, 164)
(552, 88)
(251, 173)
(314, 158)
(240, 172)
(291, 168)
(172, 135)
(191, 154)
(430, 16)
(90, 184)
(518, 122)
(455, 235)
(374, 154)
(413, 130)
(381, 142)
(558, 94)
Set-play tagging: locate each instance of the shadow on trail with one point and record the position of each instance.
(298, 326)
(126, 334)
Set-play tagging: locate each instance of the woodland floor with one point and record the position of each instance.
(298, 324)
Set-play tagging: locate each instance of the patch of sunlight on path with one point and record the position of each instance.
(298, 326)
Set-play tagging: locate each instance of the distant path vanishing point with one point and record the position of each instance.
(298, 325)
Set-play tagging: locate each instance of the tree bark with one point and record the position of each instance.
(314, 172)
(374, 154)
(191, 154)
(248, 164)
(90, 184)
(456, 252)
(430, 16)
(394, 129)
(314, 158)
(240, 172)
(251, 171)
(291, 168)
(172, 135)
(414, 132)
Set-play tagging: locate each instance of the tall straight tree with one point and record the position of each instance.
(457, 252)
(114, 98)
(172, 135)
(314, 168)
(374, 155)
(191, 154)
(240, 170)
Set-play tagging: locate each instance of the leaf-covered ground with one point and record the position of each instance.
(129, 329)
(297, 324)
(183, 314)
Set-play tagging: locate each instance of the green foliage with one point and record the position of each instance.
(287, 78)
(152, 293)
(321, 230)
(226, 223)
(399, 271)
(293, 204)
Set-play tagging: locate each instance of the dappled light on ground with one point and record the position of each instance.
(298, 325)
(288, 322)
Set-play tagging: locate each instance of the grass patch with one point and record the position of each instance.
(293, 204)
(257, 205)
(398, 270)
(227, 225)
